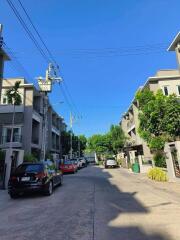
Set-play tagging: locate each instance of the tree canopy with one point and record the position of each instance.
(13, 95)
(159, 118)
(110, 142)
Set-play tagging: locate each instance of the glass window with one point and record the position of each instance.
(166, 93)
(7, 134)
(178, 90)
(30, 168)
(4, 100)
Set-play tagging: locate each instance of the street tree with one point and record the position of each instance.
(116, 138)
(15, 99)
(159, 117)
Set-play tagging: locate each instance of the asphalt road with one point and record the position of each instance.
(94, 204)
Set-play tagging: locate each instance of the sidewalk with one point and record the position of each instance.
(168, 187)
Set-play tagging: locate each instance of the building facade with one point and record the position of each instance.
(28, 123)
(168, 81)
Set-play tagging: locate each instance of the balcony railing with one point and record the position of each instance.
(7, 139)
(130, 123)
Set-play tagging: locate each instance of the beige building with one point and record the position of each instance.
(168, 81)
(33, 133)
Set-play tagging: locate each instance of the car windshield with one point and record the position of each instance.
(29, 168)
(67, 162)
(73, 160)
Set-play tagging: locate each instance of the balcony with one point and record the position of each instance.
(130, 125)
(10, 108)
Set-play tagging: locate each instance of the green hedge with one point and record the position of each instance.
(157, 174)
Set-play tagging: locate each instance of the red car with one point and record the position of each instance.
(68, 167)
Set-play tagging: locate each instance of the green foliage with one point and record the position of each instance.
(171, 119)
(159, 159)
(65, 142)
(77, 141)
(83, 143)
(157, 143)
(13, 95)
(99, 143)
(159, 118)
(109, 143)
(144, 97)
(30, 158)
(2, 155)
(157, 174)
(117, 138)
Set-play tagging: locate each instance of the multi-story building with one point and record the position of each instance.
(166, 80)
(28, 122)
(136, 148)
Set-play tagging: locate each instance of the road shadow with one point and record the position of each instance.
(110, 203)
(88, 207)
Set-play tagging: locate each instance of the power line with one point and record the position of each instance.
(37, 32)
(15, 62)
(37, 44)
(28, 32)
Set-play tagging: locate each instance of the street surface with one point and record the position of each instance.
(95, 204)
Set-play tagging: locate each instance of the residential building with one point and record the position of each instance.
(168, 81)
(28, 122)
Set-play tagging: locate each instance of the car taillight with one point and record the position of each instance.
(41, 175)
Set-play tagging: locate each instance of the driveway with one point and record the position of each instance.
(95, 204)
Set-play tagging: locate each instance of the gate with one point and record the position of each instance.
(175, 162)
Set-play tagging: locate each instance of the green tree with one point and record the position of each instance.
(99, 143)
(83, 143)
(159, 119)
(13, 95)
(65, 142)
(116, 138)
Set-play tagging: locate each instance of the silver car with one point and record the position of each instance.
(111, 163)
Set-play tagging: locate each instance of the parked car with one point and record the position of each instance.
(30, 177)
(83, 162)
(79, 163)
(75, 162)
(110, 163)
(69, 167)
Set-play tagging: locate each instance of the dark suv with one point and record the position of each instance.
(30, 177)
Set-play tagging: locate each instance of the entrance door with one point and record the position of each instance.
(175, 162)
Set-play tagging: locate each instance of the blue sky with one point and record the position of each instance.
(106, 49)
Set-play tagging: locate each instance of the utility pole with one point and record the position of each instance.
(3, 57)
(71, 135)
(45, 85)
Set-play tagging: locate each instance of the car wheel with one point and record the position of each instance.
(13, 195)
(49, 190)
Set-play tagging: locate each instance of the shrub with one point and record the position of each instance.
(157, 174)
(2, 155)
(160, 160)
(99, 163)
(30, 158)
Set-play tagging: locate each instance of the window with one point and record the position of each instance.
(4, 100)
(166, 92)
(178, 90)
(7, 134)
